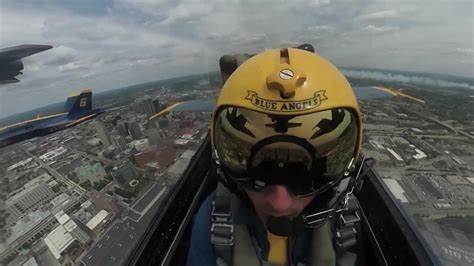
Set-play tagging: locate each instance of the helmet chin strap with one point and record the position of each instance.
(317, 211)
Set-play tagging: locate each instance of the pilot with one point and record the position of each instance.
(286, 133)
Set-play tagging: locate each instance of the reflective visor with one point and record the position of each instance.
(307, 153)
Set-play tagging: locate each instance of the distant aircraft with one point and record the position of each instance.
(10, 60)
(78, 108)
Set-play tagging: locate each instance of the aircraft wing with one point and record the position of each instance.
(206, 105)
(373, 92)
(22, 51)
(10, 60)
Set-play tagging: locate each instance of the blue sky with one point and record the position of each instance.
(110, 44)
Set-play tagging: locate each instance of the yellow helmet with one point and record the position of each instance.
(286, 116)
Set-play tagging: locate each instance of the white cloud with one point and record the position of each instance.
(186, 13)
(379, 30)
(468, 51)
(60, 55)
(412, 79)
(321, 29)
(378, 15)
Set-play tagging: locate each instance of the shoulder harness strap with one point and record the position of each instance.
(345, 227)
(222, 228)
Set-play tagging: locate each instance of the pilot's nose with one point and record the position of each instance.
(279, 199)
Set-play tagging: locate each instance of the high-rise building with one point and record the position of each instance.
(157, 104)
(154, 138)
(31, 197)
(102, 132)
(119, 143)
(122, 128)
(149, 106)
(134, 129)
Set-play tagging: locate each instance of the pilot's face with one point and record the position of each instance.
(276, 201)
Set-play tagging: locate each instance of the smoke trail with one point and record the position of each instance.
(396, 77)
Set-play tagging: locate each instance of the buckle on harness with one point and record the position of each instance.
(222, 229)
(221, 211)
(222, 234)
(315, 218)
(349, 218)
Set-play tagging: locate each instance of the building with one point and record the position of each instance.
(134, 129)
(157, 104)
(75, 228)
(99, 221)
(51, 155)
(26, 231)
(94, 142)
(30, 198)
(20, 165)
(33, 227)
(119, 142)
(154, 137)
(124, 174)
(23, 260)
(145, 157)
(102, 133)
(122, 128)
(141, 144)
(65, 236)
(182, 143)
(165, 155)
(58, 241)
(149, 106)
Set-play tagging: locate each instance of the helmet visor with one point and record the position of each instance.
(307, 153)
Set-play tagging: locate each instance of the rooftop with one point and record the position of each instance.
(70, 225)
(97, 219)
(62, 217)
(27, 223)
(26, 188)
(58, 240)
(59, 199)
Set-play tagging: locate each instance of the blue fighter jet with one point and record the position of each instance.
(78, 108)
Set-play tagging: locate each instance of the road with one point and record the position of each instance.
(457, 131)
(66, 181)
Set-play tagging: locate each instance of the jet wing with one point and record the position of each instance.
(206, 105)
(373, 92)
(10, 60)
(21, 51)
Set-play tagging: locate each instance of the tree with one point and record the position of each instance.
(86, 184)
